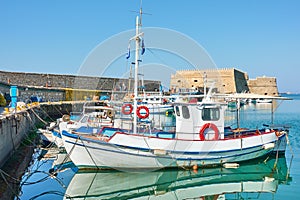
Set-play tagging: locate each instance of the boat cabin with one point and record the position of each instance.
(200, 121)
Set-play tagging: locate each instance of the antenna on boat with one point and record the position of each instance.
(141, 13)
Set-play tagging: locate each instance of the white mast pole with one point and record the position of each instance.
(204, 83)
(137, 48)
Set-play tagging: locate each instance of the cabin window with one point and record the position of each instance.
(185, 112)
(210, 114)
(177, 111)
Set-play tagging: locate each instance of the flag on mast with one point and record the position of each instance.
(143, 47)
(128, 52)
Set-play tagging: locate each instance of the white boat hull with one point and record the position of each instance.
(136, 151)
(57, 138)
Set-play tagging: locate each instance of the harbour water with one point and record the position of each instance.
(252, 180)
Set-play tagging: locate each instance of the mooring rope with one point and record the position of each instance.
(59, 193)
(289, 144)
(49, 175)
(30, 119)
(88, 153)
(6, 181)
(46, 114)
(67, 156)
(54, 106)
(38, 117)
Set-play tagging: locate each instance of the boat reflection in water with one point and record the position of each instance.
(208, 183)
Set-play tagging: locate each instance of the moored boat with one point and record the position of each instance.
(198, 139)
(263, 100)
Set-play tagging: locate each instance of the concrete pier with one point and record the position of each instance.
(14, 127)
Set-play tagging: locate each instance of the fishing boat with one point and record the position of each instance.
(251, 179)
(94, 115)
(263, 100)
(199, 138)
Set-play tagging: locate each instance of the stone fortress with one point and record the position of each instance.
(226, 80)
(53, 87)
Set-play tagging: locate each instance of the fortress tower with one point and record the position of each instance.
(227, 80)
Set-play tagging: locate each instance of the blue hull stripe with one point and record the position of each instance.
(147, 149)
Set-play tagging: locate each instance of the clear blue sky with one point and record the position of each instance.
(55, 36)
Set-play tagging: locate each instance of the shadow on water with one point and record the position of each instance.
(208, 183)
(61, 181)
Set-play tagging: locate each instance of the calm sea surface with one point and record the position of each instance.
(252, 180)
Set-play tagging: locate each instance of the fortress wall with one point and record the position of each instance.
(240, 79)
(264, 86)
(227, 80)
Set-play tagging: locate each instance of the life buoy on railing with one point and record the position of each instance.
(66, 118)
(110, 113)
(124, 107)
(279, 133)
(140, 115)
(209, 126)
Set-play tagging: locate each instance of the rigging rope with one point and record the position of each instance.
(88, 152)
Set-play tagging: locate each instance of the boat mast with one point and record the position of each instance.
(130, 79)
(137, 48)
(272, 113)
(204, 83)
(238, 107)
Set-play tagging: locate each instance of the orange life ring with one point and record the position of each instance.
(279, 133)
(142, 116)
(125, 106)
(206, 126)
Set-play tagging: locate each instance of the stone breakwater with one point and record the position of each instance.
(56, 87)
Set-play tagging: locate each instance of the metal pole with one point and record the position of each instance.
(238, 112)
(137, 47)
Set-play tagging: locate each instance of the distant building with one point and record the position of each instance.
(226, 80)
